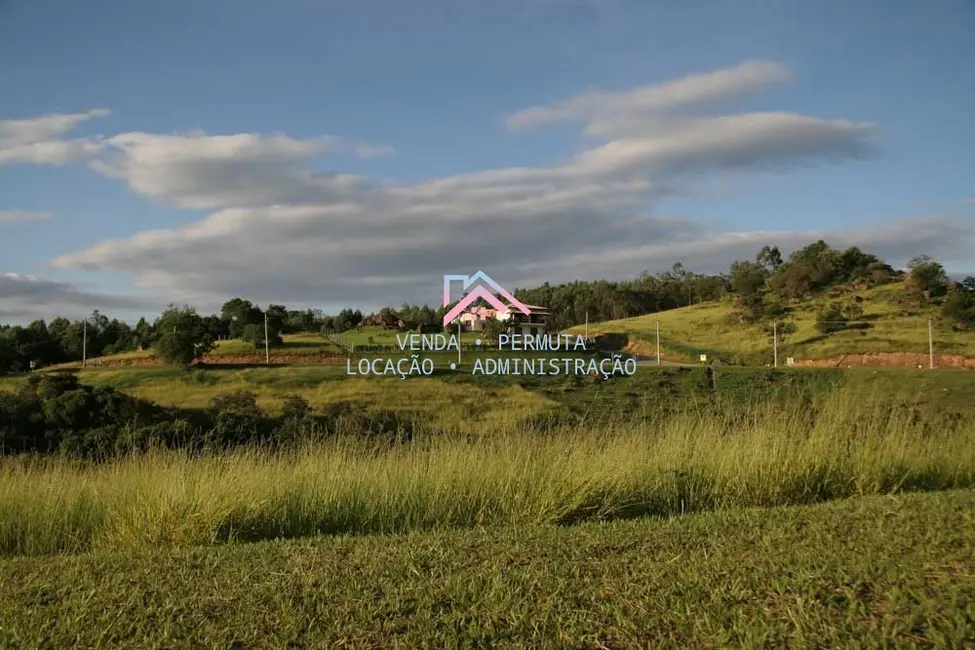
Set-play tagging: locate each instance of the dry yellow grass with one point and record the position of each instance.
(681, 464)
(707, 328)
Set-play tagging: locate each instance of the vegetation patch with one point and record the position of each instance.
(867, 572)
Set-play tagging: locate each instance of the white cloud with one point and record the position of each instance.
(279, 232)
(616, 113)
(36, 140)
(8, 216)
(374, 150)
(25, 297)
(195, 170)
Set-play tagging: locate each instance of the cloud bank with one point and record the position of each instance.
(280, 232)
(10, 216)
(25, 297)
(37, 140)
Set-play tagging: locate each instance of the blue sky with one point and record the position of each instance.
(845, 120)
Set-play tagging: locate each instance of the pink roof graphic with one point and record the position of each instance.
(479, 292)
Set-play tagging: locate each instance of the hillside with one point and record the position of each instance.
(886, 328)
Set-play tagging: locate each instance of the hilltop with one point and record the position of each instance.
(893, 328)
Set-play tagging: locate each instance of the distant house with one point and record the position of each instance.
(475, 318)
(534, 323)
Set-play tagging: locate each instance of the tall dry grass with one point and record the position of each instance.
(768, 457)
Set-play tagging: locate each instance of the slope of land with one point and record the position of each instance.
(868, 572)
(483, 402)
(296, 348)
(890, 331)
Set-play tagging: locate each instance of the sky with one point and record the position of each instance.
(349, 153)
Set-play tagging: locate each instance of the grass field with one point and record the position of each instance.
(661, 514)
(867, 572)
(670, 465)
(481, 403)
(380, 336)
(302, 344)
(707, 329)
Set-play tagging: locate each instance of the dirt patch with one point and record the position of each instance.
(231, 360)
(257, 359)
(647, 351)
(890, 360)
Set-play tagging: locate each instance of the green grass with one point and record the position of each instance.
(671, 465)
(381, 336)
(706, 329)
(477, 402)
(862, 573)
(303, 344)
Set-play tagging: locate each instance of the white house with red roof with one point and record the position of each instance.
(534, 323)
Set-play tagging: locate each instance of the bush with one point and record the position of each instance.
(959, 306)
(928, 277)
(183, 336)
(831, 319)
(349, 418)
(295, 407)
(236, 418)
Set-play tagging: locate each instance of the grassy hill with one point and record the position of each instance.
(886, 327)
(236, 350)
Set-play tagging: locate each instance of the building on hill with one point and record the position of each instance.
(534, 323)
(474, 319)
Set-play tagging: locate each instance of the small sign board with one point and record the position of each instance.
(790, 361)
(704, 357)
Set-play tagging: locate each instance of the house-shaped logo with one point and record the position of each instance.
(481, 291)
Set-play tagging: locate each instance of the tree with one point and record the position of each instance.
(859, 266)
(748, 281)
(928, 277)
(8, 350)
(494, 328)
(831, 319)
(809, 269)
(959, 305)
(217, 327)
(277, 317)
(144, 334)
(182, 336)
(781, 330)
(769, 258)
(240, 313)
(254, 334)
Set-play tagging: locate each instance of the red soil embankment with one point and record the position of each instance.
(228, 360)
(890, 360)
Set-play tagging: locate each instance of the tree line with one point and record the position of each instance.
(55, 413)
(763, 290)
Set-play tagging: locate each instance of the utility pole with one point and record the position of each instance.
(775, 344)
(458, 342)
(930, 345)
(658, 342)
(587, 325)
(267, 344)
(84, 345)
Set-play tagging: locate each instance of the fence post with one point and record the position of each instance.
(658, 342)
(775, 344)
